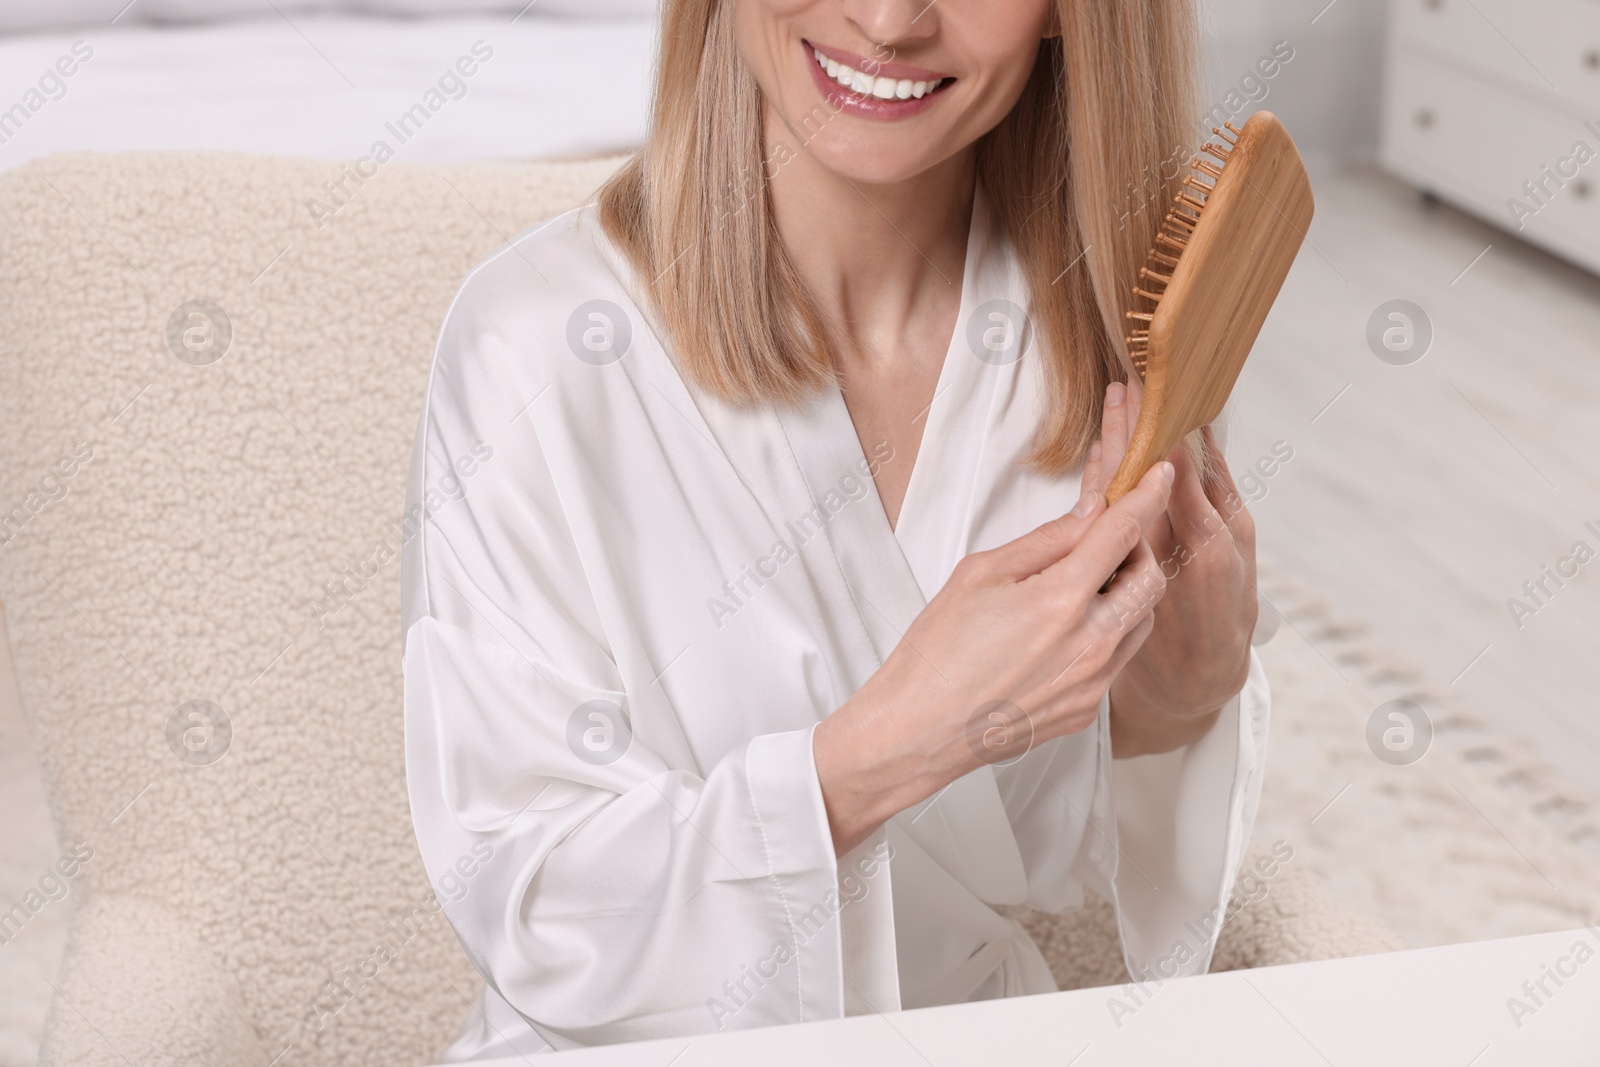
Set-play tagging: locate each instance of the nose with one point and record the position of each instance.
(892, 22)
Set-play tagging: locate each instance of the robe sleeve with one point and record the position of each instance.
(606, 892)
(1161, 837)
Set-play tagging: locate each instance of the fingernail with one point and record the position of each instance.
(1116, 392)
(1086, 502)
(1095, 451)
(1167, 470)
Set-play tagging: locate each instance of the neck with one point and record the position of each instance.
(874, 257)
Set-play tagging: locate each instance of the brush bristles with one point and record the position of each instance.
(1177, 227)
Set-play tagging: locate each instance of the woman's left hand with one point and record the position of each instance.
(1198, 655)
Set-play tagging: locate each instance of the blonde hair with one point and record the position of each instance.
(1079, 174)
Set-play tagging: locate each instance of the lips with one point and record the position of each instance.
(872, 88)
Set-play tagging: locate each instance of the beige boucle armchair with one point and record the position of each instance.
(206, 414)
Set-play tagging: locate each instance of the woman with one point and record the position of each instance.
(768, 654)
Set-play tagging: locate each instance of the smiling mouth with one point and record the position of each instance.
(876, 87)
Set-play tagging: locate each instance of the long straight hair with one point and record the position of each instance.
(1079, 174)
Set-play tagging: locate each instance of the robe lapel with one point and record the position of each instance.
(964, 828)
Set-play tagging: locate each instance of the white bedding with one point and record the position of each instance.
(329, 86)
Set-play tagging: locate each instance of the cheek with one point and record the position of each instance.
(1000, 47)
(998, 43)
(762, 32)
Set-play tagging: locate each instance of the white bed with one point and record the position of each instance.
(324, 84)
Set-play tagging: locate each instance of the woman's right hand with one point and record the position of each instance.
(1020, 646)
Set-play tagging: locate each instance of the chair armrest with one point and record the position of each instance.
(139, 986)
(1297, 919)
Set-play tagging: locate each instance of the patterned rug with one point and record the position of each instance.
(1479, 838)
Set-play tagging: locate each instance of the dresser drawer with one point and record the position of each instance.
(1551, 46)
(1477, 145)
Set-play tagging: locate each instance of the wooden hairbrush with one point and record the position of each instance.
(1218, 262)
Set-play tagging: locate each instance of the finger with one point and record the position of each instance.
(1133, 593)
(1094, 470)
(1224, 495)
(1119, 421)
(1114, 425)
(1194, 520)
(1222, 490)
(1134, 403)
(1139, 573)
(1046, 544)
(1111, 537)
(1131, 643)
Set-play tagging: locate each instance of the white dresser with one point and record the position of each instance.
(1494, 105)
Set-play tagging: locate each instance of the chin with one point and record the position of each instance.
(872, 160)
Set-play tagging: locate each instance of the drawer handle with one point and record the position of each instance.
(1582, 190)
(1591, 59)
(1425, 118)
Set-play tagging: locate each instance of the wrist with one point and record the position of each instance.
(1143, 724)
(1188, 690)
(875, 758)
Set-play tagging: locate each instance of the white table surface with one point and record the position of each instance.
(1439, 1006)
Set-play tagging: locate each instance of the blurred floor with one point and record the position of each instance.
(1422, 497)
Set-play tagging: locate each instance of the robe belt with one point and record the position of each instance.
(1017, 955)
(965, 829)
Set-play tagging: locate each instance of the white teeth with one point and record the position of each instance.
(867, 85)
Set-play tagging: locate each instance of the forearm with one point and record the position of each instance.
(874, 760)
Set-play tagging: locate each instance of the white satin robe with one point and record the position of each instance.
(586, 517)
